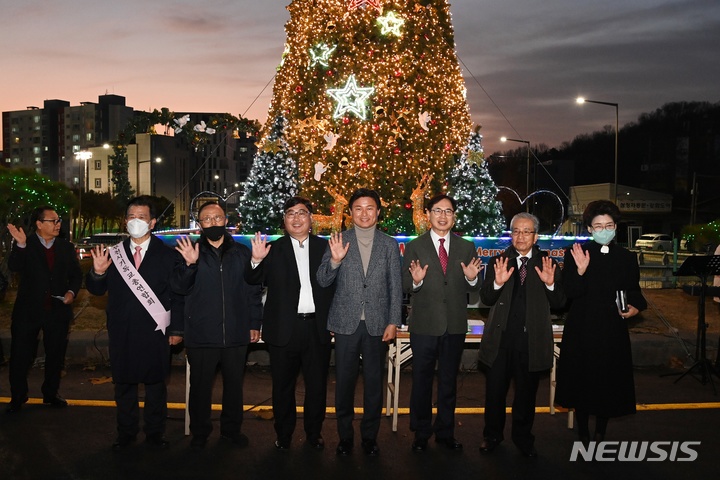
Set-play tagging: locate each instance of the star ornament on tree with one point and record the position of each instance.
(390, 24)
(272, 147)
(476, 157)
(351, 99)
(320, 54)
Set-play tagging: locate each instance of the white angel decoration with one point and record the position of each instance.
(331, 139)
(320, 168)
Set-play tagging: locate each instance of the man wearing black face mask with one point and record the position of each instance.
(222, 316)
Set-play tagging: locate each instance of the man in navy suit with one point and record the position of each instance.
(139, 349)
(294, 320)
(439, 269)
(364, 264)
(50, 278)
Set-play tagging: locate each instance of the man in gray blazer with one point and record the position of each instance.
(439, 269)
(364, 264)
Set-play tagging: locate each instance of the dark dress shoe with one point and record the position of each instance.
(344, 448)
(15, 405)
(123, 441)
(156, 440)
(489, 444)
(198, 442)
(282, 445)
(449, 443)
(57, 401)
(370, 447)
(419, 445)
(237, 438)
(317, 443)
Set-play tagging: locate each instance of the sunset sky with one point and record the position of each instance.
(531, 59)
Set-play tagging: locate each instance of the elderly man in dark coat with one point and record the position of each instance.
(139, 345)
(521, 288)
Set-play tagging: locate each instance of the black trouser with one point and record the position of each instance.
(511, 364)
(23, 347)
(447, 350)
(203, 365)
(128, 410)
(303, 352)
(348, 349)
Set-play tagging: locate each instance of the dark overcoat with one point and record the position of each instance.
(138, 352)
(595, 366)
(539, 301)
(37, 280)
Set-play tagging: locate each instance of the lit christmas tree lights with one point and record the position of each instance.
(373, 92)
(272, 180)
(478, 212)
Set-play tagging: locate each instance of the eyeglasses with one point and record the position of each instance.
(522, 233)
(297, 213)
(448, 212)
(53, 220)
(212, 219)
(599, 228)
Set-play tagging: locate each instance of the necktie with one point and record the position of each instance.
(523, 270)
(137, 257)
(442, 253)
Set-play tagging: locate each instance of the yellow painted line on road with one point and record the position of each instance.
(642, 407)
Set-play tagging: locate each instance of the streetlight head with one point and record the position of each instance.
(503, 139)
(580, 99)
(83, 155)
(158, 160)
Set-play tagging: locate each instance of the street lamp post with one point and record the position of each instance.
(152, 177)
(527, 168)
(84, 156)
(582, 100)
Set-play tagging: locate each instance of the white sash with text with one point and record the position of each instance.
(139, 287)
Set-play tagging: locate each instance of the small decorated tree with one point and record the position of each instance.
(272, 180)
(478, 212)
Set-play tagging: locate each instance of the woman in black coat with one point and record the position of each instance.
(595, 374)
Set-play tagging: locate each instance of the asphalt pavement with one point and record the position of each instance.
(42, 442)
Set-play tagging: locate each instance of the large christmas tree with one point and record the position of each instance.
(374, 97)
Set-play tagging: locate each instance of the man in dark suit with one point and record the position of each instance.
(139, 340)
(521, 288)
(439, 269)
(294, 320)
(50, 278)
(365, 312)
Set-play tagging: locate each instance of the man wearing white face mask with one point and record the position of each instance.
(144, 318)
